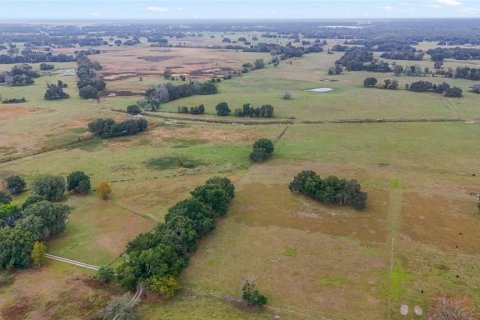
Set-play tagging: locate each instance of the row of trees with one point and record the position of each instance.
(371, 82)
(35, 57)
(14, 100)
(169, 92)
(157, 258)
(89, 85)
(329, 190)
(439, 54)
(265, 111)
(200, 109)
(443, 88)
(108, 128)
(403, 55)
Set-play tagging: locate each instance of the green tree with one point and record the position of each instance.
(88, 92)
(167, 286)
(78, 182)
(223, 183)
(5, 198)
(222, 109)
(133, 109)
(44, 219)
(105, 274)
(251, 296)
(15, 248)
(370, 82)
(39, 252)
(201, 216)
(34, 198)
(9, 214)
(50, 187)
(15, 184)
(214, 197)
(262, 150)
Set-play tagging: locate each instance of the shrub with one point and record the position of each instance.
(103, 190)
(15, 184)
(262, 150)
(251, 296)
(78, 182)
(120, 308)
(34, 198)
(133, 109)
(50, 187)
(222, 109)
(370, 82)
(167, 286)
(15, 248)
(287, 95)
(108, 128)
(5, 198)
(39, 251)
(105, 274)
(9, 214)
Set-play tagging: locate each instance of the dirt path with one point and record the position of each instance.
(393, 225)
(73, 262)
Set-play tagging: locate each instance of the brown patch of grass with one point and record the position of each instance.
(8, 111)
(17, 310)
(453, 308)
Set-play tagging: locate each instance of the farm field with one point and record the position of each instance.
(416, 157)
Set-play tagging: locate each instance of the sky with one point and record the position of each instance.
(158, 10)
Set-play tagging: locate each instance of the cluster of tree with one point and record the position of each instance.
(258, 64)
(89, 84)
(439, 54)
(371, 82)
(46, 66)
(265, 111)
(35, 57)
(133, 109)
(411, 71)
(108, 128)
(377, 66)
(403, 55)
(329, 190)
(169, 92)
(339, 48)
(443, 88)
(14, 100)
(157, 258)
(19, 75)
(355, 58)
(55, 91)
(284, 52)
(200, 109)
(21, 228)
(467, 73)
(262, 150)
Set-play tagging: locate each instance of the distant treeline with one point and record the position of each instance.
(284, 52)
(438, 54)
(35, 57)
(169, 92)
(443, 88)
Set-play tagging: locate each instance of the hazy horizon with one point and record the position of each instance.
(155, 10)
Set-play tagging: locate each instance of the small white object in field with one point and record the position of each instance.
(404, 309)
(418, 310)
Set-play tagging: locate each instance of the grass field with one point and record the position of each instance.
(416, 238)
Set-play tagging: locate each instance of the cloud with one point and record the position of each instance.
(453, 3)
(388, 8)
(158, 9)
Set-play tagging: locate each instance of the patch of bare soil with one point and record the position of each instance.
(8, 111)
(207, 133)
(155, 58)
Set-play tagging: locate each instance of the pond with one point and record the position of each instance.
(320, 90)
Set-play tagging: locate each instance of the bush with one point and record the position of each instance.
(39, 251)
(133, 109)
(45, 66)
(78, 182)
(55, 91)
(5, 198)
(50, 187)
(287, 95)
(167, 286)
(120, 308)
(15, 184)
(103, 190)
(251, 296)
(108, 128)
(105, 274)
(88, 92)
(34, 198)
(370, 82)
(222, 109)
(262, 150)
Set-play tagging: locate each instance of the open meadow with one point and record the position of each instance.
(413, 153)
